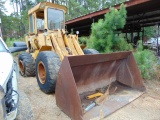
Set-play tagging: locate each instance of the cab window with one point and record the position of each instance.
(55, 19)
(31, 19)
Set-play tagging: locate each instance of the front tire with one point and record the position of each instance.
(26, 65)
(47, 68)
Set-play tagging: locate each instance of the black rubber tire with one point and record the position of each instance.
(19, 44)
(24, 108)
(90, 51)
(51, 62)
(29, 64)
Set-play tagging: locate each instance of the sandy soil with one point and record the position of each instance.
(147, 107)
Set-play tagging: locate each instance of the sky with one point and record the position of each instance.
(9, 7)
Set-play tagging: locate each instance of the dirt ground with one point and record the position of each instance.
(147, 107)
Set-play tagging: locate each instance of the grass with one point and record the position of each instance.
(10, 41)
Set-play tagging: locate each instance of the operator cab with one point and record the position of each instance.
(46, 16)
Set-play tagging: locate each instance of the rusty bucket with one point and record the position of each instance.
(80, 76)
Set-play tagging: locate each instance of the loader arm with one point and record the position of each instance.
(65, 45)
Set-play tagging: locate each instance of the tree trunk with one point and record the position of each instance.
(17, 6)
(13, 7)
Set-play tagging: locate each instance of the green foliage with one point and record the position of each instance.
(78, 8)
(140, 46)
(11, 26)
(104, 37)
(122, 45)
(150, 31)
(72, 32)
(74, 9)
(15, 25)
(147, 62)
(2, 2)
(83, 40)
(10, 41)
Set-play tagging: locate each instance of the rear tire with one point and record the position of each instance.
(90, 51)
(24, 108)
(26, 64)
(47, 68)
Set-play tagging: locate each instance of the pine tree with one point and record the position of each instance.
(104, 37)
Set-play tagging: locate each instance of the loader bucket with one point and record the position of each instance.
(83, 75)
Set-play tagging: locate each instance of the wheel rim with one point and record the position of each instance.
(41, 73)
(21, 66)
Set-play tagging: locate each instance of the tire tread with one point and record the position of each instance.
(29, 64)
(52, 63)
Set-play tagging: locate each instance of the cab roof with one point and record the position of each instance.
(41, 6)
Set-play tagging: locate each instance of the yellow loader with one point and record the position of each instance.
(78, 80)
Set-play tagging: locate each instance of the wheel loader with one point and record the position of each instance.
(79, 77)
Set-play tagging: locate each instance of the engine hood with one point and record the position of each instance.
(6, 64)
